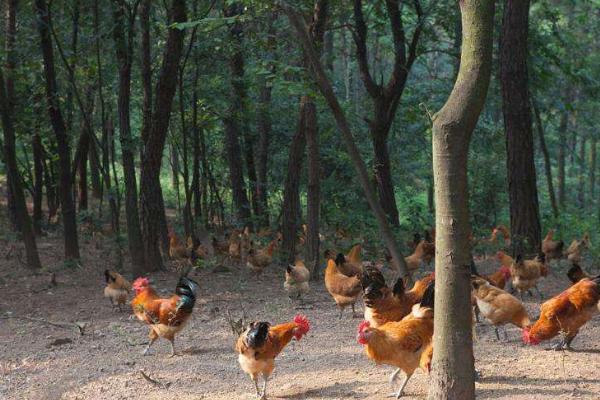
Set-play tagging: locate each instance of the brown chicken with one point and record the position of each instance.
(574, 252)
(423, 253)
(166, 317)
(177, 249)
(498, 306)
(296, 280)
(575, 274)
(258, 260)
(405, 344)
(566, 313)
(383, 305)
(344, 289)
(260, 343)
(525, 273)
(497, 279)
(117, 288)
(552, 249)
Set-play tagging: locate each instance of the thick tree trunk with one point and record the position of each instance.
(12, 169)
(58, 125)
(11, 31)
(562, 147)
(522, 184)
(383, 175)
(234, 116)
(547, 163)
(452, 375)
(326, 90)
(124, 54)
(151, 200)
(146, 70)
(291, 189)
(313, 190)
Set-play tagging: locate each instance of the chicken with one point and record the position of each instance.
(551, 248)
(296, 280)
(177, 250)
(525, 273)
(166, 316)
(503, 230)
(575, 273)
(257, 260)
(575, 250)
(354, 255)
(260, 343)
(405, 344)
(117, 288)
(423, 253)
(344, 289)
(383, 305)
(497, 279)
(566, 313)
(498, 306)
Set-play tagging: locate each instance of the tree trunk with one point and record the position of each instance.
(196, 189)
(151, 200)
(581, 185)
(452, 375)
(383, 176)
(264, 140)
(233, 116)
(592, 170)
(562, 144)
(326, 90)
(58, 125)
(38, 185)
(547, 163)
(522, 186)
(124, 54)
(10, 62)
(82, 162)
(291, 188)
(313, 190)
(146, 70)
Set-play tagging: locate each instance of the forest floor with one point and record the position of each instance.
(41, 361)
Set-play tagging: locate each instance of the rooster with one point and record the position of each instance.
(551, 248)
(383, 305)
(166, 317)
(117, 288)
(497, 279)
(498, 306)
(575, 274)
(525, 273)
(344, 289)
(296, 280)
(566, 313)
(405, 344)
(260, 343)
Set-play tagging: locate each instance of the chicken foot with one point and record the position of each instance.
(398, 394)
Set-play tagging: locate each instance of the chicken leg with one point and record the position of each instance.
(398, 394)
(152, 340)
(173, 353)
(264, 388)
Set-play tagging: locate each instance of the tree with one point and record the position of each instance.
(522, 183)
(151, 199)
(124, 53)
(452, 375)
(60, 133)
(547, 164)
(386, 97)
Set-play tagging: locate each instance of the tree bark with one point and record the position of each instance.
(264, 140)
(146, 70)
(151, 199)
(522, 185)
(38, 185)
(10, 63)
(313, 190)
(58, 125)
(124, 54)
(562, 144)
(581, 178)
(452, 375)
(326, 90)
(234, 115)
(547, 163)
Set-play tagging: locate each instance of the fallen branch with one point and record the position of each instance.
(154, 381)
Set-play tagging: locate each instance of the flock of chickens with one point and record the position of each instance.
(398, 322)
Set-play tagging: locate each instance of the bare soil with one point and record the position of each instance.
(41, 361)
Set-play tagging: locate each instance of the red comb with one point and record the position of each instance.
(363, 325)
(141, 282)
(303, 326)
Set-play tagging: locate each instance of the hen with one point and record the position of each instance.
(260, 343)
(566, 313)
(117, 288)
(166, 317)
(405, 344)
(525, 273)
(423, 253)
(258, 260)
(344, 289)
(551, 248)
(296, 280)
(575, 274)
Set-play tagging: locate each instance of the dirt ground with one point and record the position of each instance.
(40, 361)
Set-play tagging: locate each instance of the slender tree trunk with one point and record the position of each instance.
(547, 163)
(592, 170)
(82, 162)
(151, 199)
(234, 115)
(326, 90)
(146, 70)
(196, 189)
(522, 186)
(52, 201)
(10, 63)
(264, 140)
(124, 54)
(291, 188)
(562, 144)
(452, 375)
(313, 190)
(58, 125)
(38, 185)
(582, 171)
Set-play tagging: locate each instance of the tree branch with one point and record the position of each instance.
(360, 38)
